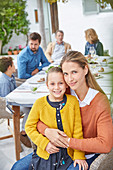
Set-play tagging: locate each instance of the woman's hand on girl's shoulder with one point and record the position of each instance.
(82, 164)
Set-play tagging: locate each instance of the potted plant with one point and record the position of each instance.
(20, 48)
(15, 51)
(10, 51)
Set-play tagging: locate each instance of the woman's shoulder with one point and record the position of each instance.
(99, 43)
(101, 100)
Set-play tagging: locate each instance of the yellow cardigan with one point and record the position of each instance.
(71, 120)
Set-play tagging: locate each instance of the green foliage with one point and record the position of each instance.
(53, 1)
(49, 69)
(105, 2)
(13, 19)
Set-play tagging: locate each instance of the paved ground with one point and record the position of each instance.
(7, 148)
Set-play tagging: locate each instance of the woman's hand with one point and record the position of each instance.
(82, 164)
(57, 137)
(50, 148)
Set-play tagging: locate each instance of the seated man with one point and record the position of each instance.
(7, 85)
(29, 58)
(56, 50)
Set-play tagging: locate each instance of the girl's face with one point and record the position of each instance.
(74, 75)
(56, 86)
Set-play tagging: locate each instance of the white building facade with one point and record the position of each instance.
(74, 18)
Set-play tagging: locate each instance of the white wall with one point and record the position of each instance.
(73, 23)
(31, 6)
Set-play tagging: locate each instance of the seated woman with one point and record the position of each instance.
(93, 41)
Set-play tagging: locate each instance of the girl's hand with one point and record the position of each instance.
(82, 164)
(57, 137)
(50, 148)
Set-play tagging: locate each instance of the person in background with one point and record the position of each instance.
(7, 85)
(55, 110)
(56, 50)
(93, 41)
(30, 58)
(7, 78)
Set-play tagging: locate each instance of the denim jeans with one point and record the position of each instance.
(23, 164)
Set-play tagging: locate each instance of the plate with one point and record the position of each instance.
(106, 70)
(37, 81)
(97, 76)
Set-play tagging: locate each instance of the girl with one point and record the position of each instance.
(57, 111)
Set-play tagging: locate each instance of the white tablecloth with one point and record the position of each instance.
(24, 95)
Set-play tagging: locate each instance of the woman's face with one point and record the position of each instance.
(74, 75)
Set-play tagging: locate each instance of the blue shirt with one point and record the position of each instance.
(7, 84)
(27, 62)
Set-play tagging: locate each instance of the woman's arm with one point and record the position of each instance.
(102, 143)
(57, 137)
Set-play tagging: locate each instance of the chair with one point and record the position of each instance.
(18, 81)
(7, 115)
(103, 162)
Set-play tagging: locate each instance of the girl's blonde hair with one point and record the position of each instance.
(78, 57)
(91, 35)
(55, 70)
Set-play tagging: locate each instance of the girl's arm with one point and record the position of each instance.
(31, 127)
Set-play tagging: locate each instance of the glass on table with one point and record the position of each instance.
(33, 89)
(92, 51)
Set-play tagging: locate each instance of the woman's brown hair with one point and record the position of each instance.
(91, 35)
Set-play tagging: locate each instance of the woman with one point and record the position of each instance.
(93, 41)
(94, 107)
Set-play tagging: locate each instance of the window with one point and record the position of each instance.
(91, 7)
(105, 7)
(36, 15)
